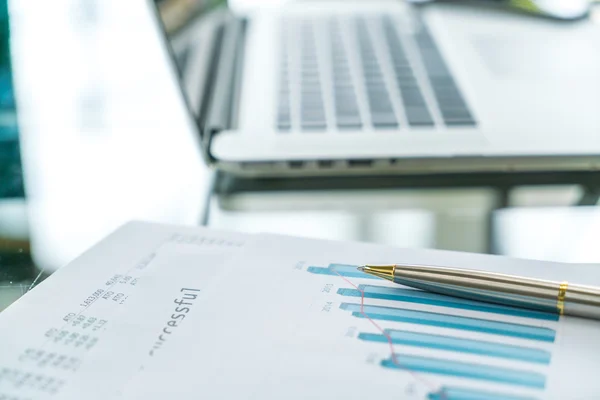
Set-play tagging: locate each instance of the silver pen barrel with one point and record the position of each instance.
(554, 297)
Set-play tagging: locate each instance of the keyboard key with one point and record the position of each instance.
(384, 120)
(347, 90)
(456, 113)
(404, 71)
(349, 122)
(346, 102)
(313, 125)
(346, 107)
(413, 101)
(411, 92)
(460, 121)
(408, 84)
(343, 86)
(418, 116)
(447, 93)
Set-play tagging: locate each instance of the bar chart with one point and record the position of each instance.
(465, 370)
(348, 271)
(451, 321)
(420, 297)
(450, 343)
(454, 393)
(481, 331)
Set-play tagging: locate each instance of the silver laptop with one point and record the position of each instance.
(383, 87)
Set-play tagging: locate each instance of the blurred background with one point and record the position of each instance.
(74, 73)
(16, 266)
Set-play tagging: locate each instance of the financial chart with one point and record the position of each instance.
(449, 339)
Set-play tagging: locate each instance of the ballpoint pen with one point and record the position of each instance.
(512, 290)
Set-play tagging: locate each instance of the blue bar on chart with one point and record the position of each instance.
(465, 370)
(348, 271)
(451, 393)
(422, 297)
(469, 346)
(452, 321)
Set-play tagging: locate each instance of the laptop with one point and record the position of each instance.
(386, 87)
(118, 133)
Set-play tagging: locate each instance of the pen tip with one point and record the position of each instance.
(381, 271)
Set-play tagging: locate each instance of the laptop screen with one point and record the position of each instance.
(176, 14)
(189, 31)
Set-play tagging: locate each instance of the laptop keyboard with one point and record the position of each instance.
(357, 74)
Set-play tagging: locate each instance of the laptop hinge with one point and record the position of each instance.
(226, 82)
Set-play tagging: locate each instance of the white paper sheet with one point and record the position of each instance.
(281, 317)
(47, 336)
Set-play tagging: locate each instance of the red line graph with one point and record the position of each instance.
(430, 385)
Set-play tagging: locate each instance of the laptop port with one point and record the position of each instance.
(254, 164)
(360, 163)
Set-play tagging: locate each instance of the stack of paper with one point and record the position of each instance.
(163, 312)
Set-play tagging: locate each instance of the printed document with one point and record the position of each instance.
(196, 313)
